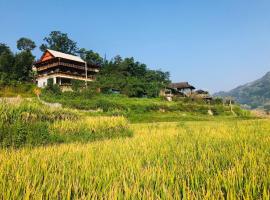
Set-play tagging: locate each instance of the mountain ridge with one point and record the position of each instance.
(255, 94)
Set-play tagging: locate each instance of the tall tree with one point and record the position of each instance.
(22, 68)
(4, 48)
(59, 41)
(6, 59)
(90, 57)
(25, 44)
(132, 78)
(16, 67)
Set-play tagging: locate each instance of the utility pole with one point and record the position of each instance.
(85, 74)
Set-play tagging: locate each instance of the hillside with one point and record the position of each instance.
(256, 94)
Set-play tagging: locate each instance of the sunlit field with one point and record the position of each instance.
(189, 160)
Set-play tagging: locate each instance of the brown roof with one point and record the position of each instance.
(181, 85)
(201, 92)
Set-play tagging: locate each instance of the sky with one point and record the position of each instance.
(213, 44)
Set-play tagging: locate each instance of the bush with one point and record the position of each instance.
(52, 88)
(77, 85)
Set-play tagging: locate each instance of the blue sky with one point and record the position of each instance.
(213, 44)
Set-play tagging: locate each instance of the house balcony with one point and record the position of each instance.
(68, 75)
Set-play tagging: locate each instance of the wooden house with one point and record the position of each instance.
(62, 69)
(179, 89)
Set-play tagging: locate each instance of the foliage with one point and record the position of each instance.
(20, 134)
(23, 66)
(59, 41)
(14, 89)
(267, 108)
(26, 44)
(141, 109)
(131, 78)
(77, 85)
(51, 87)
(90, 57)
(16, 67)
(4, 48)
(6, 60)
(30, 124)
(191, 160)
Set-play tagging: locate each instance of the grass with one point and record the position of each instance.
(143, 109)
(176, 116)
(184, 153)
(91, 129)
(24, 90)
(182, 160)
(29, 123)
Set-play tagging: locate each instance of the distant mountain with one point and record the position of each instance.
(255, 94)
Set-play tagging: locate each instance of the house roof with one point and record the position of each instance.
(202, 92)
(181, 85)
(58, 54)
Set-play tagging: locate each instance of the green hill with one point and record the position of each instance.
(255, 94)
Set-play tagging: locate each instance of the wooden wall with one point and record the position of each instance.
(46, 56)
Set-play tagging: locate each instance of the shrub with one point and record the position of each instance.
(77, 85)
(52, 88)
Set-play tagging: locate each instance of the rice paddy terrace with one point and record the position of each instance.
(172, 160)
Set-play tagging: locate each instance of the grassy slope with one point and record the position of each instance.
(143, 109)
(28, 122)
(190, 160)
(23, 90)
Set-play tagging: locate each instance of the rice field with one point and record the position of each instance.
(30, 123)
(185, 160)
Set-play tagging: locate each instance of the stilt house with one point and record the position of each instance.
(63, 68)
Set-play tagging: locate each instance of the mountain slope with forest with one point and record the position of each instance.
(256, 94)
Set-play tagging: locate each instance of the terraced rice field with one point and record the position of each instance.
(191, 160)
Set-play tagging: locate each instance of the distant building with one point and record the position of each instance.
(62, 69)
(202, 94)
(178, 89)
(181, 89)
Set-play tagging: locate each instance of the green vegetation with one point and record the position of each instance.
(30, 123)
(16, 89)
(59, 41)
(131, 78)
(16, 68)
(190, 150)
(142, 109)
(192, 160)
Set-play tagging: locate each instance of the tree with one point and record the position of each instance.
(25, 44)
(132, 78)
(16, 67)
(23, 66)
(4, 48)
(90, 57)
(59, 41)
(6, 59)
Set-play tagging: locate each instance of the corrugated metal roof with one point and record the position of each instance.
(58, 54)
